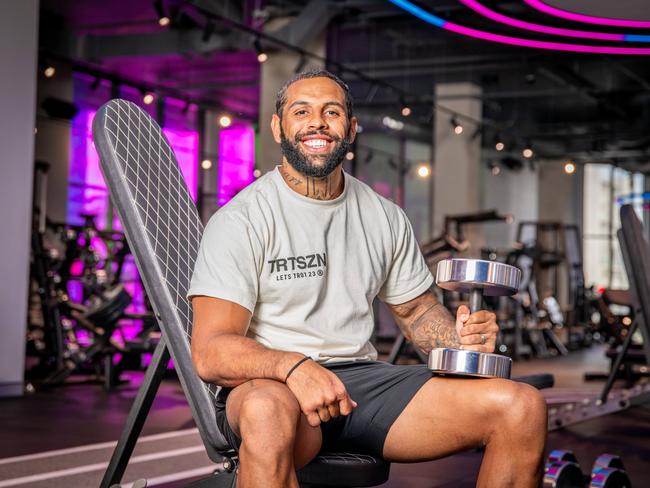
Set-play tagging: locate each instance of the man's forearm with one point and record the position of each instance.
(230, 360)
(435, 327)
(426, 322)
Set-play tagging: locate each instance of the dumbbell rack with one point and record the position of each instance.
(563, 414)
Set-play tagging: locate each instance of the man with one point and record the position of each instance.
(282, 295)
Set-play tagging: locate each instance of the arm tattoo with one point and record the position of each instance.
(435, 327)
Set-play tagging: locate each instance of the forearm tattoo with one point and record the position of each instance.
(435, 327)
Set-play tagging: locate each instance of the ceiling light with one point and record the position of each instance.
(257, 173)
(148, 98)
(527, 152)
(349, 155)
(261, 55)
(225, 121)
(458, 129)
(499, 146)
(424, 171)
(49, 72)
(406, 110)
(206, 164)
(439, 22)
(163, 20)
(569, 168)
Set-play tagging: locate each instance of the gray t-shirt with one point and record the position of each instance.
(308, 270)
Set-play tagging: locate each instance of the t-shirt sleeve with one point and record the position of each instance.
(227, 264)
(408, 274)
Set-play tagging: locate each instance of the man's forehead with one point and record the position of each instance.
(315, 88)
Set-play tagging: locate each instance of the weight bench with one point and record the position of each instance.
(163, 230)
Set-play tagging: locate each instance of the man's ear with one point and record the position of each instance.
(353, 130)
(275, 128)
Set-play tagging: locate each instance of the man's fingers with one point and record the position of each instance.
(482, 316)
(473, 339)
(346, 405)
(333, 409)
(324, 414)
(462, 313)
(313, 419)
(479, 328)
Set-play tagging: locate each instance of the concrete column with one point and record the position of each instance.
(18, 55)
(210, 179)
(279, 67)
(560, 194)
(457, 157)
(53, 140)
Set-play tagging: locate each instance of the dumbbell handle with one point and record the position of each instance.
(475, 300)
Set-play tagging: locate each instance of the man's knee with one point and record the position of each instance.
(269, 412)
(522, 409)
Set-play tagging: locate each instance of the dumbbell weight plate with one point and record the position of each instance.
(563, 474)
(494, 279)
(609, 478)
(609, 461)
(469, 363)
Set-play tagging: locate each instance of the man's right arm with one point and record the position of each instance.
(222, 354)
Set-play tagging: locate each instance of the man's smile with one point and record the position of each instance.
(316, 144)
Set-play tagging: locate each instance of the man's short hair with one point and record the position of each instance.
(281, 98)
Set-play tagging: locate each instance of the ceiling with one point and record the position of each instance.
(590, 107)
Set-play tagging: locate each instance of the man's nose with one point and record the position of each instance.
(317, 121)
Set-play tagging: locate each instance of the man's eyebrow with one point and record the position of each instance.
(304, 102)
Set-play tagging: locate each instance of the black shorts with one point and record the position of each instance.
(381, 391)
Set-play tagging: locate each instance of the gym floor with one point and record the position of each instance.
(64, 436)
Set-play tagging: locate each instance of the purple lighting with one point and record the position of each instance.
(520, 24)
(185, 145)
(514, 41)
(236, 161)
(587, 19)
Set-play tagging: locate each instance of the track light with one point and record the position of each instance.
(424, 171)
(261, 55)
(527, 152)
(163, 20)
(406, 110)
(208, 30)
(225, 121)
(498, 144)
(349, 155)
(148, 98)
(569, 168)
(49, 72)
(206, 164)
(458, 129)
(495, 169)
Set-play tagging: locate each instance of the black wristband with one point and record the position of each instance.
(293, 368)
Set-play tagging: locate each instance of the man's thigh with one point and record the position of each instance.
(308, 439)
(448, 415)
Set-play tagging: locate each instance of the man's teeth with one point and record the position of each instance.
(315, 143)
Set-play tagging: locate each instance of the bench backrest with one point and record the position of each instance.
(163, 229)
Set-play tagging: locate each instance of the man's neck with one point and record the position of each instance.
(326, 188)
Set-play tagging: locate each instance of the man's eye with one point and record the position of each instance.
(333, 113)
(300, 112)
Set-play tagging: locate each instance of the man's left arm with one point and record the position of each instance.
(428, 324)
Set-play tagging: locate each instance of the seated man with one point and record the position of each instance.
(282, 295)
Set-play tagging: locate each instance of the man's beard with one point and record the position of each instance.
(300, 161)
